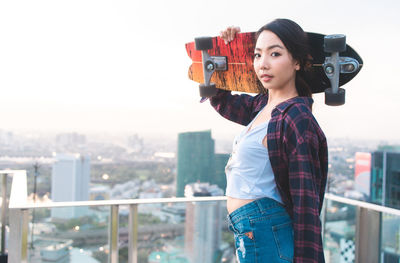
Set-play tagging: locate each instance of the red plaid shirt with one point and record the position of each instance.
(298, 153)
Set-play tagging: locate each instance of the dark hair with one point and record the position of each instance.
(296, 42)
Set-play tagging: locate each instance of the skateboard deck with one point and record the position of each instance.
(239, 74)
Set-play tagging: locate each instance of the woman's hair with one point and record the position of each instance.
(296, 42)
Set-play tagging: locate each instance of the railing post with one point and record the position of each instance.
(18, 219)
(113, 235)
(4, 208)
(368, 236)
(18, 242)
(133, 234)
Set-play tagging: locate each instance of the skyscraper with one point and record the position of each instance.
(220, 162)
(385, 190)
(198, 162)
(203, 224)
(195, 159)
(385, 178)
(362, 173)
(70, 182)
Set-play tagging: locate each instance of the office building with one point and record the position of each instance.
(385, 179)
(385, 190)
(197, 161)
(70, 182)
(362, 173)
(220, 162)
(203, 224)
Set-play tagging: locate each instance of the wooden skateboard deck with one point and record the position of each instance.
(240, 75)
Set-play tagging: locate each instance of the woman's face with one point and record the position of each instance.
(273, 64)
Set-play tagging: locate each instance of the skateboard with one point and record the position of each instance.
(216, 65)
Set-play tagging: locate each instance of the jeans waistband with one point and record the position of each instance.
(259, 205)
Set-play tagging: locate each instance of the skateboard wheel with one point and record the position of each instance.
(203, 43)
(334, 43)
(334, 99)
(207, 90)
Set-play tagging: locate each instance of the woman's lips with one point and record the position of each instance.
(266, 77)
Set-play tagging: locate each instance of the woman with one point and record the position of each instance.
(276, 175)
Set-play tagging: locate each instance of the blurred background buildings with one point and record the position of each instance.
(106, 167)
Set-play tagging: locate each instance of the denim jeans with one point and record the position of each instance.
(263, 232)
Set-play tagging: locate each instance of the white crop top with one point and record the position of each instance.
(248, 172)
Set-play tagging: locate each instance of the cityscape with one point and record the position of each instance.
(97, 107)
(79, 167)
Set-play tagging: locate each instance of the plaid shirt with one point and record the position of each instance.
(298, 153)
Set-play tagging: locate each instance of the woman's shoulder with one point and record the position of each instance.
(298, 117)
(297, 108)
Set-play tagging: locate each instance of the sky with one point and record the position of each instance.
(121, 66)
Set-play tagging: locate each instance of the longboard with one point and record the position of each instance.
(239, 74)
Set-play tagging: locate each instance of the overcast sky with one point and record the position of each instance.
(121, 66)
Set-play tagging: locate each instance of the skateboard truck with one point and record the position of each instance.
(210, 65)
(334, 65)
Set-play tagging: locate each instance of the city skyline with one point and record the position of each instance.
(110, 66)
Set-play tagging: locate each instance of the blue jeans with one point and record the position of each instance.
(263, 232)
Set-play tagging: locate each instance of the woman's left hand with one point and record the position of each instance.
(229, 33)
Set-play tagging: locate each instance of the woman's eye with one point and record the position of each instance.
(257, 55)
(275, 54)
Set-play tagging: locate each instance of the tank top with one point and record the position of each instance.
(248, 172)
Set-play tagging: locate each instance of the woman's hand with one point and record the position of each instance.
(229, 34)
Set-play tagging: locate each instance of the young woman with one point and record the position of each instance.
(277, 172)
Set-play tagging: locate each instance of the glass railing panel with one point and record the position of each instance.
(390, 238)
(69, 234)
(180, 232)
(339, 232)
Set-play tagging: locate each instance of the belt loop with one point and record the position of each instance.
(228, 218)
(260, 206)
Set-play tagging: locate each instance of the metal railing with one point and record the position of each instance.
(19, 216)
(368, 221)
(368, 226)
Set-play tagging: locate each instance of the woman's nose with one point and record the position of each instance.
(264, 62)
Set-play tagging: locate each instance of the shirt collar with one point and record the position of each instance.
(303, 100)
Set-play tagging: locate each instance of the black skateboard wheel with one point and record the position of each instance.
(335, 99)
(203, 43)
(207, 90)
(334, 43)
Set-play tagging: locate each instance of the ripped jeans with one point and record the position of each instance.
(263, 232)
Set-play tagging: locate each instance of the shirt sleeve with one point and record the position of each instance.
(305, 183)
(236, 108)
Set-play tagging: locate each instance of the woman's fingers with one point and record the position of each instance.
(232, 32)
(224, 35)
(229, 33)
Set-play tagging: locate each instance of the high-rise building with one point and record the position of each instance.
(198, 162)
(203, 224)
(70, 182)
(385, 179)
(220, 162)
(385, 190)
(195, 159)
(362, 173)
